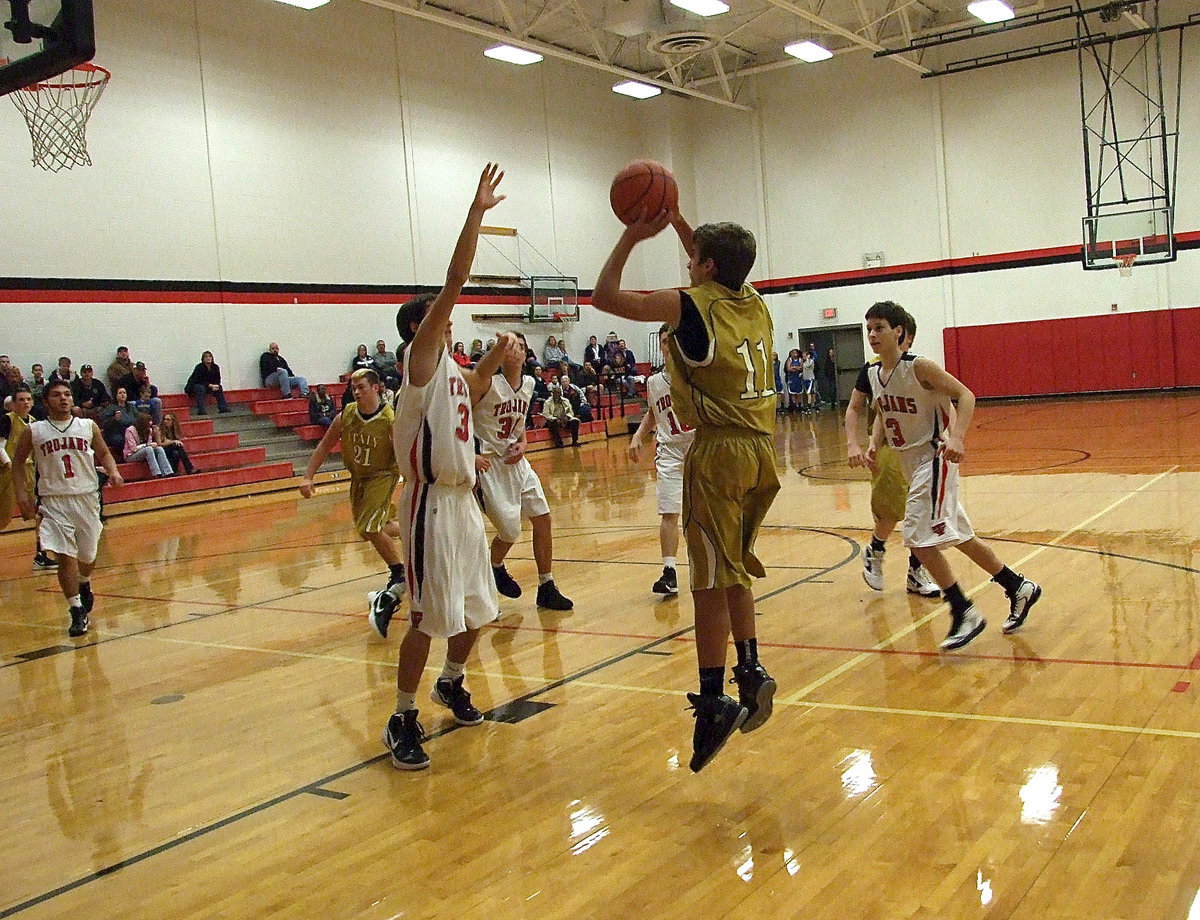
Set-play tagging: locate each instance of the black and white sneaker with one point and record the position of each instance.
(963, 628)
(717, 717)
(383, 607)
(403, 736)
(1019, 604)
(449, 692)
(668, 582)
(873, 567)
(85, 595)
(505, 583)
(756, 691)
(551, 598)
(920, 582)
(79, 622)
(43, 563)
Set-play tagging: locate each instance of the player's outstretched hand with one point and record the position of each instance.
(510, 344)
(952, 449)
(635, 452)
(306, 488)
(647, 225)
(485, 195)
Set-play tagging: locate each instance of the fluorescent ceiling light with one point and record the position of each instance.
(305, 4)
(990, 10)
(702, 7)
(808, 51)
(512, 55)
(636, 90)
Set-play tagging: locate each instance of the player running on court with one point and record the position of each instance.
(509, 488)
(365, 430)
(65, 449)
(889, 488)
(721, 384)
(910, 393)
(450, 588)
(674, 438)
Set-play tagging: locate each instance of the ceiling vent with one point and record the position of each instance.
(683, 43)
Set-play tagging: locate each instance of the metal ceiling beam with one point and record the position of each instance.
(797, 10)
(485, 30)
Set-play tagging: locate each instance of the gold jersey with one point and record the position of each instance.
(732, 386)
(367, 443)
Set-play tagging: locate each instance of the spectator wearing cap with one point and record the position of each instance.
(88, 394)
(134, 382)
(120, 368)
(274, 371)
(206, 381)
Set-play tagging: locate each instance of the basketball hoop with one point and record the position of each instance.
(57, 111)
(1125, 264)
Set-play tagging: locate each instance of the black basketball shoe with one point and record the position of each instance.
(504, 582)
(79, 622)
(43, 563)
(551, 598)
(717, 717)
(86, 596)
(403, 736)
(668, 582)
(449, 692)
(383, 607)
(756, 692)
(1020, 603)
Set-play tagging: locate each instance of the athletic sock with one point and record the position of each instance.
(712, 681)
(453, 669)
(397, 574)
(878, 545)
(84, 581)
(747, 650)
(1007, 579)
(543, 579)
(913, 561)
(668, 562)
(958, 600)
(405, 701)
(74, 601)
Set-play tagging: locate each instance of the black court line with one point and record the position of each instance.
(328, 794)
(521, 703)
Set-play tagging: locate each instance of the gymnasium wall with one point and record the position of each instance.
(245, 150)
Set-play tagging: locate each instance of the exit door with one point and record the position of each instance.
(849, 355)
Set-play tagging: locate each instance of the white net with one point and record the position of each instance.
(57, 112)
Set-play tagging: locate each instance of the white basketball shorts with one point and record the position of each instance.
(668, 462)
(71, 525)
(511, 493)
(933, 515)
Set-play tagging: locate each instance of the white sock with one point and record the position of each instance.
(453, 669)
(542, 579)
(668, 562)
(74, 601)
(405, 701)
(84, 581)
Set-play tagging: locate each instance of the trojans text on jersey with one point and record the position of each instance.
(516, 404)
(57, 444)
(902, 404)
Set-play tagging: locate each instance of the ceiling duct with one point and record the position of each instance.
(692, 42)
(630, 18)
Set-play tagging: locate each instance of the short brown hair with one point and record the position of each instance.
(411, 313)
(731, 247)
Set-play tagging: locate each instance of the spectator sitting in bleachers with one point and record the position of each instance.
(385, 364)
(37, 387)
(135, 383)
(62, 372)
(476, 353)
(116, 417)
(531, 360)
(321, 410)
(589, 381)
(610, 349)
(622, 374)
(576, 397)
(121, 367)
(141, 443)
(460, 356)
(143, 404)
(10, 378)
(204, 382)
(6, 388)
(88, 394)
(553, 353)
(560, 417)
(593, 354)
(362, 360)
(170, 436)
(274, 371)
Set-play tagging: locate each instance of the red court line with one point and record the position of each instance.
(1195, 664)
(1181, 686)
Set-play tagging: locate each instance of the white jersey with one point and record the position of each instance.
(912, 415)
(670, 430)
(500, 416)
(434, 434)
(66, 464)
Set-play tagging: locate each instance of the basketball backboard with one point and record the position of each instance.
(42, 38)
(1146, 234)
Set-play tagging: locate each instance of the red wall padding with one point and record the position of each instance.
(1117, 351)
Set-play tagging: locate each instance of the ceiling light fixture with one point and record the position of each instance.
(511, 55)
(808, 51)
(636, 90)
(305, 4)
(702, 7)
(991, 10)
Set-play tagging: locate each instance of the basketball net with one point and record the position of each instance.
(57, 111)
(1125, 264)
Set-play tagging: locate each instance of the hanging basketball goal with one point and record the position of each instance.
(56, 111)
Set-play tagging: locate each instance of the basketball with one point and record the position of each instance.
(643, 184)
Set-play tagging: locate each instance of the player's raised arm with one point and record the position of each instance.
(933, 377)
(331, 436)
(684, 231)
(427, 343)
(479, 380)
(657, 306)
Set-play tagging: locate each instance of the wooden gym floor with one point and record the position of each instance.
(211, 748)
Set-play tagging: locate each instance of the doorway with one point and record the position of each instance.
(849, 357)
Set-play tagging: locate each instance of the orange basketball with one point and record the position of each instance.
(642, 185)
